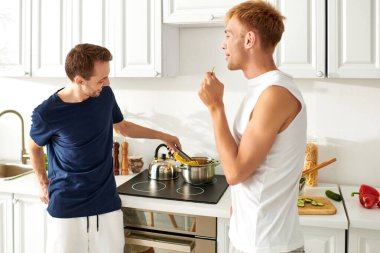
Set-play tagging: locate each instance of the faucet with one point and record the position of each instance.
(24, 155)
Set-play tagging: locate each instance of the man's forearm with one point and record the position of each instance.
(137, 131)
(224, 140)
(38, 163)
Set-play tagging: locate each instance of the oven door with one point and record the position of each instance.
(192, 225)
(148, 231)
(151, 242)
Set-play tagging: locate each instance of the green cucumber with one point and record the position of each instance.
(334, 196)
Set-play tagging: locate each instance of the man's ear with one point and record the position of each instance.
(250, 39)
(79, 80)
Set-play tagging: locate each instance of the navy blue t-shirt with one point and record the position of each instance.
(79, 146)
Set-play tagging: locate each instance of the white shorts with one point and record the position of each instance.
(102, 233)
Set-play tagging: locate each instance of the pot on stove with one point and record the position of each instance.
(203, 173)
(163, 168)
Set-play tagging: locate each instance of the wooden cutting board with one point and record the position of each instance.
(328, 208)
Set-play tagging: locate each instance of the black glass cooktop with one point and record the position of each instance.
(177, 189)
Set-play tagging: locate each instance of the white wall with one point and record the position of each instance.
(343, 114)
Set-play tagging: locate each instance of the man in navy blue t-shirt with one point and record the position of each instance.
(76, 125)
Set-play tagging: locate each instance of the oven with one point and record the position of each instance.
(149, 231)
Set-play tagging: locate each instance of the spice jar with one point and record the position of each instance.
(115, 156)
(135, 163)
(124, 158)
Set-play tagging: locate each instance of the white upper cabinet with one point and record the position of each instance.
(59, 25)
(301, 51)
(196, 12)
(51, 36)
(354, 38)
(42, 32)
(144, 47)
(349, 48)
(92, 23)
(14, 19)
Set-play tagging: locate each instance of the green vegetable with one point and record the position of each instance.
(334, 196)
(301, 202)
(46, 161)
(308, 200)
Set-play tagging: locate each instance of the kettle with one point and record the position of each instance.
(163, 168)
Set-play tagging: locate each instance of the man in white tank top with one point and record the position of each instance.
(263, 157)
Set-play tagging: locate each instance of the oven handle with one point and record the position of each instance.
(157, 242)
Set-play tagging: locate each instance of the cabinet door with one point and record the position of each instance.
(52, 23)
(196, 11)
(301, 51)
(324, 240)
(138, 38)
(223, 241)
(363, 241)
(14, 20)
(6, 221)
(93, 24)
(29, 224)
(354, 38)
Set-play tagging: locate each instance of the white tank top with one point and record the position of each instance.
(265, 215)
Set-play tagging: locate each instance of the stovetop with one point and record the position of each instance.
(177, 189)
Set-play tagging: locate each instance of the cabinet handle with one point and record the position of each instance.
(156, 73)
(320, 74)
(15, 201)
(26, 73)
(159, 243)
(212, 17)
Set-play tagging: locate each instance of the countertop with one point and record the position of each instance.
(29, 185)
(338, 220)
(360, 217)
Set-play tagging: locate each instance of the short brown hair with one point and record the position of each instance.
(260, 17)
(81, 59)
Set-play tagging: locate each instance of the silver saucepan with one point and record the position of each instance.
(200, 174)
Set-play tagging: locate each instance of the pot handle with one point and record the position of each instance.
(158, 148)
(216, 162)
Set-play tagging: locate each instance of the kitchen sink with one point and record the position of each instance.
(10, 171)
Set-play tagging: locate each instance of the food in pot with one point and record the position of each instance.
(183, 161)
(200, 174)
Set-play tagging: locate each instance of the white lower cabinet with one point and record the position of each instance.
(223, 242)
(29, 224)
(6, 223)
(364, 241)
(324, 240)
(317, 239)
